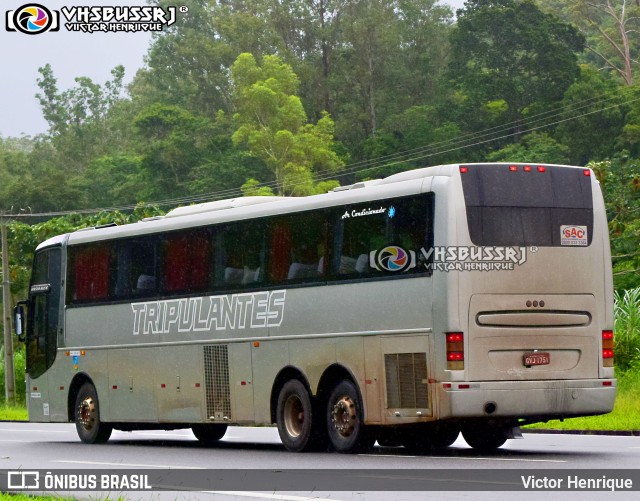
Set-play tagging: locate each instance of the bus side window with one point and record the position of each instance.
(136, 268)
(240, 257)
(384, 237)
(297, 246)
(123, 270)
(89, 272)
(186, 262)
(143, 264)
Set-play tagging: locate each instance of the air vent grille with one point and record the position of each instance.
(216, 373)
(407, 383)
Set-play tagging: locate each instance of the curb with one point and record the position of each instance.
(615, 433)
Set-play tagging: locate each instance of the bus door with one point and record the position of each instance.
(42, 329)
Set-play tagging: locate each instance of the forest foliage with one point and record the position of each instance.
(295, 97)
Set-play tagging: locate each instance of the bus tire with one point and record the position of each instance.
(295, 417)
(485, 438)
(209, 433)
(90, 428)
(345, 420)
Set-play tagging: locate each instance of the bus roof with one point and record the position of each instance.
(403, 183)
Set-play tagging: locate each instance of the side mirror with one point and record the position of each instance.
(19, 321)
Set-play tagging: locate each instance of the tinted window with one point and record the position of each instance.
(90, 275)
(298, 247)
(187, 262)
(383, 237)
(523, 208)
(240, 260)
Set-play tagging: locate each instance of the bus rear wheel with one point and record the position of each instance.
(295, 417)
(90, 428)
(485, 438)
(209, 433)
(345, 420)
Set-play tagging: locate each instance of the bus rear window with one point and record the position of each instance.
(510, 205)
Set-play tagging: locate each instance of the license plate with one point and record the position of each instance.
(538, 358)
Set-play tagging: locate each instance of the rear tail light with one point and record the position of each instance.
(464, 170)
(607, 348)
(455, 351)
(586, 172)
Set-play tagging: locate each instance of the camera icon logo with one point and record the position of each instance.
(33, 19)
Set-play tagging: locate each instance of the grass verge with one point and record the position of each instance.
(625, 415)
(13, 413)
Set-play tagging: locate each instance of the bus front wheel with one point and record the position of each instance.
(90, 428)
(345, 421)
(485, 438)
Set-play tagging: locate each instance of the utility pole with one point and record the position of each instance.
(9, 374)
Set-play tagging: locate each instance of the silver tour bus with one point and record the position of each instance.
(470, 298)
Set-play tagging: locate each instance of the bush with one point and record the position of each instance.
(627, 329)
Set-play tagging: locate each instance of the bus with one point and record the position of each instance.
(466, 298)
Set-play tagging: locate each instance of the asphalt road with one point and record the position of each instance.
(53, 447)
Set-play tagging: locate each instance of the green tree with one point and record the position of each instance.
(80, 126)
(175, 141)
(187, 64)
(510, 50)
(533, 147)
(390, 56)
(272, 124)
(620, 181)
(414, 137)
(612, 29)
(591, 133)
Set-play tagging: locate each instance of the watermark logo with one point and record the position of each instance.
(463, 258)
(119, 19)
(33, 19)
(392, 258)
(449, 258)
(23, 480)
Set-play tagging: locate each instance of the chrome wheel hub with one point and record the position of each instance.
(87, 413)
(344, 417)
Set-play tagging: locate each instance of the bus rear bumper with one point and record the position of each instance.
(522, 399)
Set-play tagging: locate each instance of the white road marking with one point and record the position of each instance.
(466, 458)
(14, 430)
(134, 465)
(261, 495)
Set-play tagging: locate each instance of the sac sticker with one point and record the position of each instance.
(573, 235)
